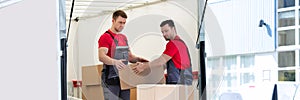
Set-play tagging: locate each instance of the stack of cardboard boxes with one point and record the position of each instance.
(150, 85)
(165, 92)
(91, 83)
(91, 80)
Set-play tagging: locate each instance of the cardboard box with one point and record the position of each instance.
(165, 92)
(133, 94)
(146, 92)
(129, 79)
(91, 83)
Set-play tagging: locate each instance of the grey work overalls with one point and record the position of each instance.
(110, 75)
(179, 76)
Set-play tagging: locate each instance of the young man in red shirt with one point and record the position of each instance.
(114, 52)
(176, 57)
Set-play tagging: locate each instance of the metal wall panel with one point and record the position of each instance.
(232, 27)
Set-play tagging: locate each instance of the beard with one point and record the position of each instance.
(167, 39)
(118, 29)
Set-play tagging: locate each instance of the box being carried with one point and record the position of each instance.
(129, 79)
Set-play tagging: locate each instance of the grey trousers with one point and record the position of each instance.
(114, 92)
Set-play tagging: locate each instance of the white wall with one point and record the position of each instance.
(232, 27)
(266, 62)
(29, 51)
(142, 30)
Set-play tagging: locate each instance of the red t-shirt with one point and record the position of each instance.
(107, 41)
(177, 50)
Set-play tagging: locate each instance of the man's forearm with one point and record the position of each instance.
(160, 62)
(157, 63)
(106, 60)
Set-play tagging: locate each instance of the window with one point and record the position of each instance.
(286, 3)
(299, 15)
(286, 18)
(286, 37)
(286, 59)
(288, 56)
(286, 75)
(247, 61)
(299, 36)
(247, 78)
(230, 79)
(214, 81)
(230, 62)
(266, 75)
(213, 63)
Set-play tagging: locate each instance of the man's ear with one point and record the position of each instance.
(173, 28)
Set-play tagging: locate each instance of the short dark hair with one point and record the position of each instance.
(118, 13)
(169, 22)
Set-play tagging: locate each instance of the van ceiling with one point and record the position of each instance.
(93, 8)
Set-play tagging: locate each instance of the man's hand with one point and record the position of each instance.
(140, 67)
(119, 64)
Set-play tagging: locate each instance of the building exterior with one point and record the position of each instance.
(258, 42)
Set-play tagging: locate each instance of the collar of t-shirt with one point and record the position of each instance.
(177, 37)
(112, 33)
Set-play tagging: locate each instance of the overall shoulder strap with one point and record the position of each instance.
(110, 34)
(187, 49)
(116, 41)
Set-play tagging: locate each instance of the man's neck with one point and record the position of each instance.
(173, 37)
(114, 31)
